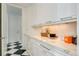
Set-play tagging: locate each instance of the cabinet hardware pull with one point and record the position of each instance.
(44, 47)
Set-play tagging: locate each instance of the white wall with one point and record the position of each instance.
(37, 13)
(28, 17)
(78, 29)
(62, 30)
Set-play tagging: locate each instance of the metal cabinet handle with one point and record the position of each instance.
(44, 47)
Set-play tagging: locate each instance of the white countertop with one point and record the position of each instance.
(70, 48)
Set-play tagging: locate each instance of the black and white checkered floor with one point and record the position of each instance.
(16, 49)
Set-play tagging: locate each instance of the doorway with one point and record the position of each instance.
(14, 24)
(14, 32)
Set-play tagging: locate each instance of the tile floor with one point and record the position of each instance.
(16, 49)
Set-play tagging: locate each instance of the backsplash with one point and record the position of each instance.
(62, 30)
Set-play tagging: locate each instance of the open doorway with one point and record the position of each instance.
(11, 21)
(14, 23)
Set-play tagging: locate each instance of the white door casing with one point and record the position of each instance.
(4, 29)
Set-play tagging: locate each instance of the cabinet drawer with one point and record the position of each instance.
(49, 48)
(53, 49)
(53, 52)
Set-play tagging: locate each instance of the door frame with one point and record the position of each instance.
(5, 27)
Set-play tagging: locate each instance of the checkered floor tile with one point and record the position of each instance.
(16, 49)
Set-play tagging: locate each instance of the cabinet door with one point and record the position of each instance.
(40, 49)
(25, 41)
(29, 45)
(66, 10)
(49, 54)
(47, 49)
(58, 51)
(36, 50)
(46, 12)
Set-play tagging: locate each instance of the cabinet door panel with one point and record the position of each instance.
(49, 54)
(66, 10)
(25, 41)
(29, 46)
(36, 50)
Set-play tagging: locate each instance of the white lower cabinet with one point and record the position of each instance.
(29, 46)
(25, 40)
(49, 54)
(39, 48)
(46, 51)
(36, 49)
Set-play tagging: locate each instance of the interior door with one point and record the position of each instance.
(14, 23)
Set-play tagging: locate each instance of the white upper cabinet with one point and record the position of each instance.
(49, 13)
(46, 12)
(66, 10)
(53, 12)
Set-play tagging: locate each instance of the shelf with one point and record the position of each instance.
(55, 23)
